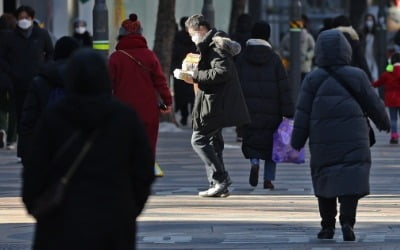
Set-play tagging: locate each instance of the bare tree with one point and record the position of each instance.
(238, 7)
(164, 38)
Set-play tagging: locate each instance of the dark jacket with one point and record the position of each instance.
(333, 121)
(219, 101)
(110, 187)
(85, 39)
(5, 81)
(22, 56)
(36, 101)
(268, 94)
(182, 46)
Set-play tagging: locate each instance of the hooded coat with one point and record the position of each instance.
(268, 95)
(219, 101)
(139, 87)
(110, 186)
(334, 122)
(391, 81)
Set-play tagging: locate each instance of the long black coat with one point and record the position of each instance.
(22, 57)
(110, 186)
(219, 101)
(183, 45)
(268, 94)
(333, 121)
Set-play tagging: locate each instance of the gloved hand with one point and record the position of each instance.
(178, 74)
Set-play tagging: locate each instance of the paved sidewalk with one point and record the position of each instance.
(251, 218)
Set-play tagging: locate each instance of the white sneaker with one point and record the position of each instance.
(12, 146)
(218, 190)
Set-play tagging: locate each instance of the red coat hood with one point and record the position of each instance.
(131, 41)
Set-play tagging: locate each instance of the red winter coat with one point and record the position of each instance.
(391, 81)
(137, 87)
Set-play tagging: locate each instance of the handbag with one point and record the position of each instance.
(282, 151)
(338, 78)
(51, 199)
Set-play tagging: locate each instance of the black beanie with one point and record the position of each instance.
(64, 47)
(341, 20)
(261, 30)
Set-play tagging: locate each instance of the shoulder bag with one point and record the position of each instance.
(341, 80)
(52, 198)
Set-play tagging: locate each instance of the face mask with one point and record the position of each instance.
(24, 24)
(196, 38)
(369, 24)
(80, 30)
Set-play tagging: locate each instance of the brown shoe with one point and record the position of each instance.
(268, 185)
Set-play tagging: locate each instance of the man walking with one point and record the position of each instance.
(219, 101)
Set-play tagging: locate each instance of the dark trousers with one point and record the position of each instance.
(20, 97)
(327, 210)
(209, 146)
(8, 120)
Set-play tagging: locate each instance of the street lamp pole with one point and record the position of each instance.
(296, 26)
(381, 35)
(208, 11)
(100, 27)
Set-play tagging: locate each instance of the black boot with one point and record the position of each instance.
(253, 178)
(348, 233)
(326, 233)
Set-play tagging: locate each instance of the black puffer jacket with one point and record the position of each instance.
(219, 101)
(334, 121)
(268, 94)
(37, 99)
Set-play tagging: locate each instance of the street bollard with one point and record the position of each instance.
(296, 26)
(100, 28)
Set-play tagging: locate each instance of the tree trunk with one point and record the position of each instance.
(164, 38)
(357, 11)
(238, 7)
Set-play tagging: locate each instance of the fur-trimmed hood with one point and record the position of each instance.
(221, 41)
(225, 43)
(349, 30)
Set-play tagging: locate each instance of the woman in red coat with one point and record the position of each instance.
(391, 81)
(138, 78)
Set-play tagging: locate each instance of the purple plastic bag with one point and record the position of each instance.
(281, 149)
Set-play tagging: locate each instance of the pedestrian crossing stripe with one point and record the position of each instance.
(101, 45)
(158, 171)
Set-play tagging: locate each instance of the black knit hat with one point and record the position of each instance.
(64, 47)
(261, 30)
(341, 20)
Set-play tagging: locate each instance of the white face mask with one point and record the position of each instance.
(80, 30)
(369, 24)
(196, 38)
(24, 24)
